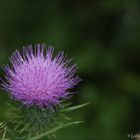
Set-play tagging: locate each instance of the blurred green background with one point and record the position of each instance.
(103, 37)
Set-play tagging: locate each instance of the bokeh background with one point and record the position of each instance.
(103, 37)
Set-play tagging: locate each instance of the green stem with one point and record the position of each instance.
(53, 130)
(69, 109)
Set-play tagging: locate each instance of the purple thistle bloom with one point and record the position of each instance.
(36, 78)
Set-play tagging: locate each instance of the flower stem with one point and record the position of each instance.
(54, 130)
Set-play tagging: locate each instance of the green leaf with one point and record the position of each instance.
(53, 130)
(2, 130)
(68, 109)
(2, 125)
(13, 134)
(4, 133)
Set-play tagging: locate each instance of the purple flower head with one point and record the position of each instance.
(37, 78)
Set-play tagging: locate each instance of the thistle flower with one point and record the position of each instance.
(36, 78)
